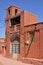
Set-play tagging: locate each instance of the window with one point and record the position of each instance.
(16, 48)
(15, 21)
(2, 46)
(5, 47)
(9, 11)
(15, 11)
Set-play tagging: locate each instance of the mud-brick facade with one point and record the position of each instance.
(24, 35)
(2, 46)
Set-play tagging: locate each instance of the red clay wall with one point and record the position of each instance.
(29, 18)
(41, 43)
(36, 48)
(26, 19)
(22, 35)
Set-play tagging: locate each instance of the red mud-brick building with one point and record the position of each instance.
(2, 46)
(24, 35)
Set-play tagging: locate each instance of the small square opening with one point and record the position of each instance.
(9, 11)
(15, 11)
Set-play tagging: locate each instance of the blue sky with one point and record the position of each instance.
(34, 6)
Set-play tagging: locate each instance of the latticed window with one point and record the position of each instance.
(16, 47)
